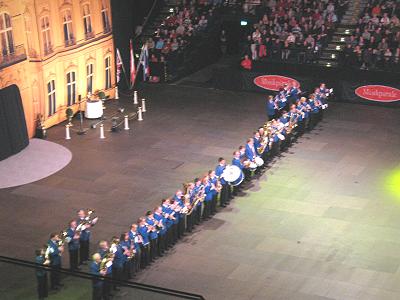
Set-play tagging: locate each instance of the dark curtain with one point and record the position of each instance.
(13, 132)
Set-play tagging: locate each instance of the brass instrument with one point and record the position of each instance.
(88, 220)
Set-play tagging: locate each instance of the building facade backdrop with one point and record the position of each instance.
(56, 51)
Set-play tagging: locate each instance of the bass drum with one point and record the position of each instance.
(259, 161)
(233, 175)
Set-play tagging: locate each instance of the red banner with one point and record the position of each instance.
(379, 93)
(274, 82)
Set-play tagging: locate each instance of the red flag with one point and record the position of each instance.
(132, 63)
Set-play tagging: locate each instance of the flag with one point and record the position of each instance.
(132, 63)
(119, 66)
(145, 63)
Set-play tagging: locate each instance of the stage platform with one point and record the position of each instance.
(321, 223)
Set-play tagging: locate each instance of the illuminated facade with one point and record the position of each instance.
(54, 51)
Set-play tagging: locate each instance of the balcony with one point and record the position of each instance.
(89, 35)
(70, 42)
(17, 55)
(48, 49)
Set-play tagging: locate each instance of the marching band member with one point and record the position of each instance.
(209, 193)
(136, 241)
(293, 93)
(161, 245)
(97, 283)
(236, 161)
(153, 234)
(216, 189)
(55, 252)
(168, 214)
(84, 239)
(224, 196)
(250, 151)
(119, 260)
(179, 217)
(107, 261)
(41, 275)
(145, 247)
(190, 197)
(128, 251)
(265, 142)
(73, 245)
(271, 108)
(199, 192)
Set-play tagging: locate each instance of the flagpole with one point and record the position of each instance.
(126, 77)
(138, 67)
(123, 69)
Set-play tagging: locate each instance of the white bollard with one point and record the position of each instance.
(102, 132)
(126, 123)
(116, 93)
(143, 105)
(67, 133)
(135, 99)
(139, 112)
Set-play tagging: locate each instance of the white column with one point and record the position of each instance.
(102, 131)
(143, 105)
(67, 133)
(135, 98)
(126, 123)
(140, 117)
(116, 93)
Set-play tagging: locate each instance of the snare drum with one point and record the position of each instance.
(233, 175)
(252, 166)
(281, 136)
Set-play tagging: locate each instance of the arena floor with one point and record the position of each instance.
(322, 223)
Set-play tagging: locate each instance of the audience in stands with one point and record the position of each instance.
(291, 29)
(179, 30)
(375, 43)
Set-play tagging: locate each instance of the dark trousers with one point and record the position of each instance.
(181, 225)
(145, 259)
(117, 272)
(83, 251)
(107, 287)
(54, 276)
(138, 259)
(174, 233)
(42, 288)
(189, 222)
(198, 213)
(214, 204)
(206, 212)
(97, 293)
(73, 259)
(153, 249)
(161, 244)
(224, 195)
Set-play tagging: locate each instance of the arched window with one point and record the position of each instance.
(89, 78)
(104, 16)
(71, 87)
(107, 64)
(67, 27)
(6, 35)
(51, 97)
(87, 21)
(45, 28)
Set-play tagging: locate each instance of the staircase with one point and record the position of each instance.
(330, 55)
(154, 22)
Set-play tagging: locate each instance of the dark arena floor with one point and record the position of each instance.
(323, 221)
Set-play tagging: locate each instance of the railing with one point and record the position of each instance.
(70, 42)
(18, 54)
(89, 35)
(19, 282)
